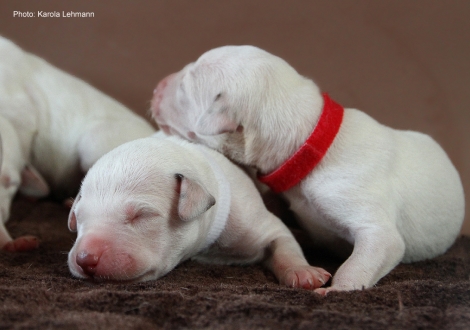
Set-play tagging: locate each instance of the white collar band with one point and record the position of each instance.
(223, 201)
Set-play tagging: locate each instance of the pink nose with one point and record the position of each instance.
(88, 262)
(162, 84)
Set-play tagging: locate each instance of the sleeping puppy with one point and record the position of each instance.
(53, 127)
(383, 195)
(152, 203)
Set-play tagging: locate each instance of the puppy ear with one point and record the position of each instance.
(72, 221)
(32, 183)
(214, 122)
(194, 199)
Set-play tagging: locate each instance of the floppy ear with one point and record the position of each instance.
(215, 122)
(194, 199)
(32, 183)
(72, 221)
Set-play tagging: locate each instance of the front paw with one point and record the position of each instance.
(336, 288)
(306, 277)
(324, 291)
(22, 244)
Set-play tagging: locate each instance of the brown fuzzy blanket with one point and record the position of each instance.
(38, 292)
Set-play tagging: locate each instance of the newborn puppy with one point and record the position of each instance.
(152, 203)
(356, 185)
(53, 127)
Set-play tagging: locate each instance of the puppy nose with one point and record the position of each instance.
(88, 262)
(191, 135)
(161, 86)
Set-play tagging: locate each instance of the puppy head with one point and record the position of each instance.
(140, 211)
(233, 99)
(239, 100)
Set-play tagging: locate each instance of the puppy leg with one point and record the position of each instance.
(376, 252)
(4, 235)
(287, 262)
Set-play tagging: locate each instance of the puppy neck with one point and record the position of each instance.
(279, 124)
(304, 160)
(223, 201)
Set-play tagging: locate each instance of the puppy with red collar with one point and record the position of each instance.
(381, 195)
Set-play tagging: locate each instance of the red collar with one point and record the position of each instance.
(304, 160)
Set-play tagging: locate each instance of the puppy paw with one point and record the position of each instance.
(334, 288)
(306, 277)
(324, 291)
(22, 244)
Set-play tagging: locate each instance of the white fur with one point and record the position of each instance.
(391, 195)
(53, 127)
(152, 203)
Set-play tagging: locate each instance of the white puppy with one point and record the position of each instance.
(53, 127)
(151, 203)
(390, 195)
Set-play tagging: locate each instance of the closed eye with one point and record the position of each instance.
(134, 216)
(182, 88)
(181, 96)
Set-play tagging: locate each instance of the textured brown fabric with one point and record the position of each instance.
(38, 292)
